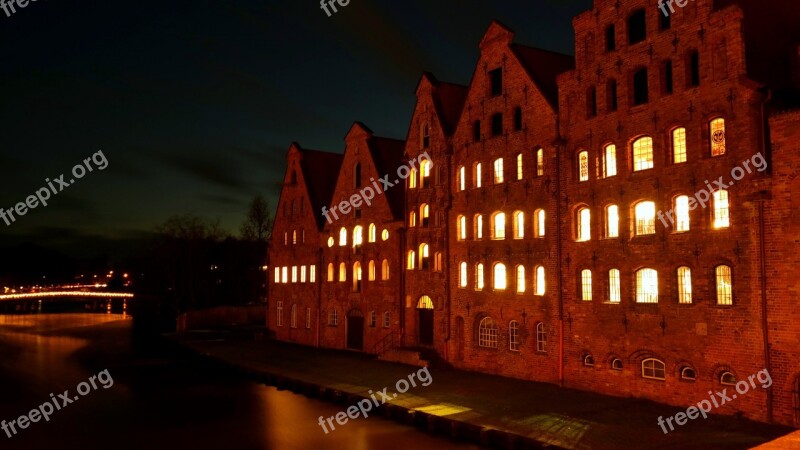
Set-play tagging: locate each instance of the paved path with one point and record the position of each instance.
(562, 417)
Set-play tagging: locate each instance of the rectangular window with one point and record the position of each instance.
(679, 145)
(722, 218)
(612, 221)
(302, 274)
(539, 162)
(517, 118)
(693, 63)
(717, 135)
(462, 275)
(513, 336)
(684, 285)
(682, 220)
(586, 285)
(640, 89)
(462, 178)
(519, 167)
(646, 286)
(583, 166)
(613, 286)
(373, 319)
(294, 274)
(284, 274)
(610, 161)
(611, 93)
(498, 171)
(477, 175)
(479, 277)
(611, 38)
(277, 275)
(643, 154)
(476, 131)
(496, 77)
(668, 79)
(312, 276)
(584, 225)
(591, 102)
(724, 285)
(541, 338)
(497, 124)
(279, 313)
(645, 213)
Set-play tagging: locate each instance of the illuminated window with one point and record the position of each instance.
(717, 131)
(682, 221)
(424, 215)
(294, 237)
(586, 285)
(643, 154)
(539, 224)
(333, 318)
(277, 274)
(385, 270)
(724, 285)
(331, 241)
(479, 277)
(312, 274)
(645, 213)
(462, 178)
(342, 237)
(331, 276)
(498, 225)
(411, 260)
(519, 225)
(679, 145)
(684, 285)
(540, 162)
(425, 173)
(513, 336)
(462, 275)
(424, 257)
(613, 286)
(610, 161)
(722, 217)
(541, 338)
(584, 230)
(478, 231)
(358, 235)
(342, 272)
(412, 219)
(284, 274)
(477, 175)
(302, 274)
(612, 221)
(646, 286)
(487, 333)
(356, 276)
(498, 171)
(285, 237)
(385, 235)
(437, 262)
(499, 280)
(372, 233)
(540, 283)
(520, 279)
(371, 270)
(583, 166)
(279, 315)
(461, 228)
(412, 178)
(293, 317)
(653, 369)
(519, 167)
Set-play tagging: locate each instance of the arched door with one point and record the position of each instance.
(355, 330)
(425, 320)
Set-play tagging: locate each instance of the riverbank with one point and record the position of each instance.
(489, 410)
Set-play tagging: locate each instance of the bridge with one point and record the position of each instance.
(65, 301)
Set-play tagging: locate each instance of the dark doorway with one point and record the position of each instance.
(355, 330)
(425, 322)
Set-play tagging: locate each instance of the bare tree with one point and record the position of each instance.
(257, 226)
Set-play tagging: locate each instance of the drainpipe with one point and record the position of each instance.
(763, 258)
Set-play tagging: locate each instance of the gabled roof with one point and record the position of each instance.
(543, 66)
(320, 172)
(448, 98)
(387, 155)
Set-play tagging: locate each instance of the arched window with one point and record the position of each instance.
(612, 221)
(609, 161)
(372, 232)
(513, 336)
(520, 279)
(499, 280)
(462, 178)
(682, 219)
(479, 277)
(461, 228)
(540, 283)
(412, 178)
(424, 215)
(424, 257)
(539, 223)
(724, 285)
(385, 235)
(654, 369)
(462, 274)
(425, 173)
(357, 175)
(679, 145)
(614, 291)
(330, 272)
(616, 364)
(476, 175)
(358, 235)
(425, 302)
(583, 166)
(342, 272)
(385, 269)
(637, 26)
(727, 378)
(519, 224)
(331, 241)
(646, 286)
(688, 374)
(645, 213)
(498, 171)
(356, 276)
(437, 262)
(293, 317)
(520, 173)
(487, 333)
(342, 237)
(717, 136)
(541, 338)
(586, 285)
(411, 260)
(684, 285)
(412, 219)
(584, 220)
(722, 213)
(588, 360)
(498, 225)
(477, 233)
(294, 237)
(643, 153)
(371, 270)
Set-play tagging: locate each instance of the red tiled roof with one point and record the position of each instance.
(543, 66)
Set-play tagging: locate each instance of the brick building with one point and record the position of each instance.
(621, 221)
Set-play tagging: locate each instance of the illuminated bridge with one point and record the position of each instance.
(64, 301)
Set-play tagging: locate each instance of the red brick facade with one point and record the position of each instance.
(549, 226)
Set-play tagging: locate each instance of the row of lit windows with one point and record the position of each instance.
(295, 235)
(642, 151)
(500, 279)
(298, 274)
(498, 171)
(497, 222)
(358, 236)
(422, 259)
(356, 273)
(488, 335)
(292, 316)
(655, 369)
(645, 215)
(647, 285)
(422, 177)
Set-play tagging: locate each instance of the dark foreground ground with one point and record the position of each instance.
(562, 417)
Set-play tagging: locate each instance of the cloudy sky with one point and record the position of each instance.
(194, 103)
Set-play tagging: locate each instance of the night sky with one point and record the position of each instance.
(194, 103)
